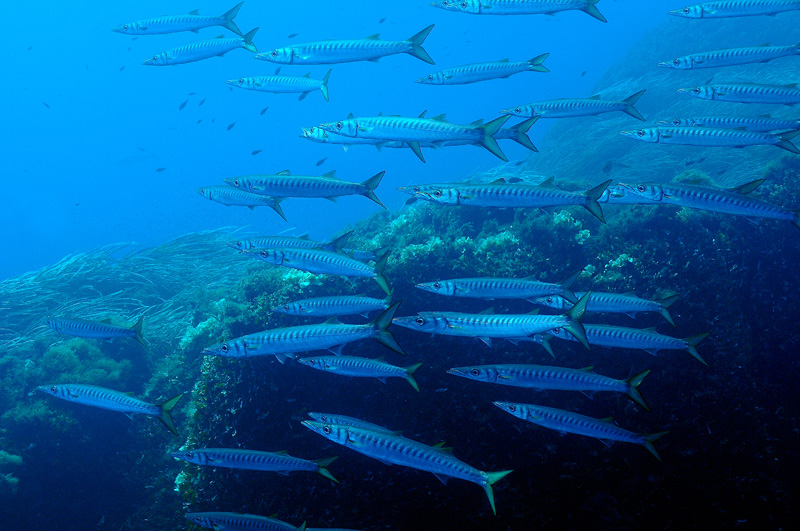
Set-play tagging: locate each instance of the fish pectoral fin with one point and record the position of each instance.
(381, 378)
(444, 479)
(486, 340)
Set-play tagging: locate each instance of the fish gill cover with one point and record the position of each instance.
(728, 459)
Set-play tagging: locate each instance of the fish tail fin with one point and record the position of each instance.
(324, 86)
(491, 479)
(370, 185)
(633, 382)
(590, 9)
(276, 206)
(380, 264)
(536, 65)
(323, 468)
(692, 342)
(137, 329)
(248, 41)
(410, 375)
(650, 439)
(488, 140)
(336, 244)
(229, 16)
(665, 303)
(416, 45)
(574, 325)
(521, 133)
(566, 286)
(630, 101)
(784, 142)
(544, 341)
(164, 415)
(382, 335)
(591, 200)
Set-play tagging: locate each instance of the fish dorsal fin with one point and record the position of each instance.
(277, 70)
(422, 114)
(768, 116)
(303, 237)
(587, 369)
(332, 320)
(764, 44)
(194, 12)
(501, 180)
(380, 113)
(649, 329)
(442, 448)
(382, 358)
(273, 515)
(489, 310)
(107, 320)
(550, 181)
(440, 117)
(503, 60)
(129, 393)
(220, 37)
(330, 175)
(747, 187)
(373, 37)
(791, 85)
(350, 116)
(607, 419)
(595, 97)
(281, 452)
(535, 311)
(284, 172)
(308, 74)
(477, 122)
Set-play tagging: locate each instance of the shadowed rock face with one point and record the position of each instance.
(593, 149)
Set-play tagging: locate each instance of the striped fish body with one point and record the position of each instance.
(332, 306)
(760, 124)
(483, 325)
(240, 522)
(199, 50)
(405, 129)
(519, 7)
(542, 377)
(246, 460)
(706, 136)
(503, 195)
(95, 329)
(285, 184)
(609, 303)
(292, 339)
(344, 420)
(493, 288)
(177, 23)
(273, 242)
(732, 56)
(100, 397)
(230, 196)
(361, 367)
(747, 93)
(474, 73)
(567, 108)
(277, 84)
(314, 261)
(736, 8)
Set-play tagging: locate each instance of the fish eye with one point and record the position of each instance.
(445, 2)
(437, 193)
(686, 10)
(696, 90)
(285, 306)
(323, 418)
(274, 53)
(517, 110)
(556, 330)
(125, 27)
(224, 348)
(676, 62)
(640, 132)
(512, 408)
(549, 299)
(338, 125)
(53, 389)
(463, 4)
(155, 58)
(436, 285)
(474, 372)
(241, 81)
(420, 321)
(430, 77)
(311, 361)
(676, 121)
(640, 188)
(263, 254)
(189, 455)
(326, 430)
(239, 244)
(236, 182)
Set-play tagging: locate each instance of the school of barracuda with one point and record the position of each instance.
(415, 133)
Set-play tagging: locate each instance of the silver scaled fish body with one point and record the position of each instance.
(758, 124)
(230, 196)
(710, 137)
(747, 93)
(576, 107)
(199, 50)
(569, 422)
(96, 329)
(398, 450)
(476, 72)
(284, 84)
(254, 460)
(731, 56)
(736, 8)
(626, 303)
(345, 51)
(362, 368)
(344, 420)
(176, 23)
(503, 288)
(520, 7)
(100, 397)
(333, 305)
(220, 521)
(303, 242)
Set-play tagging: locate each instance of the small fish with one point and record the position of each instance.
(159, 170)
(199, 50)
(732, 56)
(96, 329)
(201, 102)
(332, 306)
(284, 184)
(177, 23)
(256, 152)
(46, 104)
(736, 8)
(706, 136)
(264, 110)
(284, 84)
(575, 107)
(626, 303)
(292, 35)
(122, 68)
(200, 120)
(474, 73)
(320, 162)
(747, 92)
(182, 105)
(520, 7)
(230, 196)
(362, 368)
(503, 288)
(236, 521)
(254, 460)
(231, 126)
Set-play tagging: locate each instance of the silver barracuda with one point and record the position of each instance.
(220, 521)
(199, 50)
(345, 51)
(362, 368)
(473, 73)
(569, 422)
(303, 242)
(626, 303)
(502, 194)
(758, 124)
(486, 326)
(747, 93)
(175, 23)
(254, 460)
(520, 7)
(503, 288)
(398, 450)
(646, 339)
(324, 263)
(731, 56)
(414, 131)
(734, 201)
(575, 107)
(96, 329)
(100, 397)
(708, 137)
(284, 184)
(553, 378)
(331, 335)
(333, 306)
(344, 420)
(284, 84)
(230, 196)
(736, 8)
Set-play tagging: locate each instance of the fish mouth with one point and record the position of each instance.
(665, 64)
(232, 82)
(627, 133)
(684, 89)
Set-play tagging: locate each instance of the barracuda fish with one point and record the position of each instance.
(568, 422)
(520, 7)
(331, 335)
(344, 420)
(362, 368)
(369, 49)
(284, 84)
(255, 460)
(199, 50)
(646, 339)
(284, 184)
(230, 196)
(473, 73)
(177, 23)
(303, 242)
(502, 288)
(759, 124)
(708, 137)
(734, 201)
(626, 303)
(324, 263)
(553, 378)
(574, 107)
(736, 8)
(731, 56)
(412, 131)
(502, 194)
(334, 305)
(96, 329)
(397, 450)
(240, 522)
(100, 397)
(486, 326)
(747, 93)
